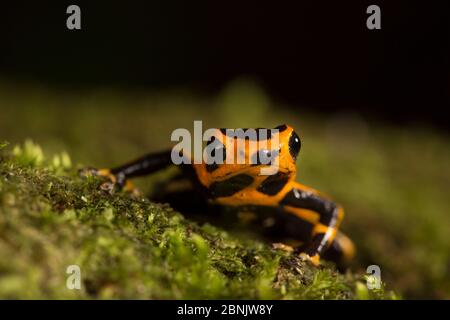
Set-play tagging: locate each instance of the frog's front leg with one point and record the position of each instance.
(145, 165)
(322, 213)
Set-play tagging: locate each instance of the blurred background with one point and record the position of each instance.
(371, 106)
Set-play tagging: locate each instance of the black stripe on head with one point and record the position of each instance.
(230, 186)
(268, 136)
(273, 184)
(281, 128)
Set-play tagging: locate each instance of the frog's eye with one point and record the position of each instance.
(294, 145)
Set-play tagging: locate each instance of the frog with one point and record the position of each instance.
(310, 215)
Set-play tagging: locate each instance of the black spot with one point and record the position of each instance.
(210, 167)
(281, 128)
(230, 186)
(273, 184)
(267, 156)
(294, 145)
(256, 159)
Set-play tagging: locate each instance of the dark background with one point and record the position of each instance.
(314, 53)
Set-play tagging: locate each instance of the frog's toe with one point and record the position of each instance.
(132, 189)
(113, 181)
(109, 185)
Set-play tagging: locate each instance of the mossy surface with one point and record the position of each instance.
(129, 247)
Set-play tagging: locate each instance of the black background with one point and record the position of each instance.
(313, 53)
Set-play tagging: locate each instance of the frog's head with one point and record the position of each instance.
(261, 147)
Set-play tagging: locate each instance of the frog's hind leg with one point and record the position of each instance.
(145, 165)
(300, 224)
(325, 216)
(341, 251)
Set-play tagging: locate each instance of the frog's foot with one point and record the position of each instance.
(308, 253)
(314, 259)
(114, 180)
(89, 171)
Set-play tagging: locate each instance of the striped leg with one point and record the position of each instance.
(142, 166)
(324, 214)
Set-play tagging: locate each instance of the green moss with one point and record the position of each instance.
(130, 247)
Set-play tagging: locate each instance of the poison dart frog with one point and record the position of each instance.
(307, 213)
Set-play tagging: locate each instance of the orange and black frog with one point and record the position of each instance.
(307, 214)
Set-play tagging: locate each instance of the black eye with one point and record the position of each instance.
(294, 145)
